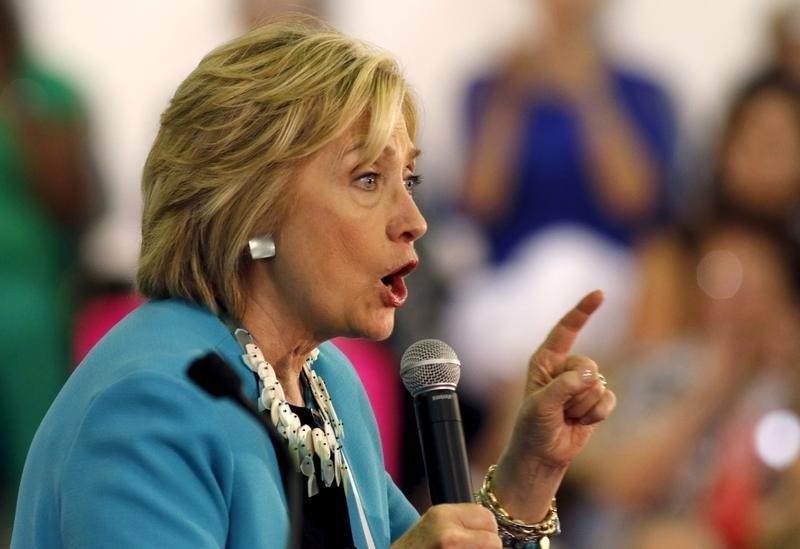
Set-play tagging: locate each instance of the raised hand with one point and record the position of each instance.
(565, 397)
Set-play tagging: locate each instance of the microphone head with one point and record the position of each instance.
(429, 364)
(214, 375)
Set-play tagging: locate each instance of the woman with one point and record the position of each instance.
(278, 200)
(562, 133)
(756, 181)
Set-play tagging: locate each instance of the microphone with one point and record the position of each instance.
(430, 371)
(216, 377)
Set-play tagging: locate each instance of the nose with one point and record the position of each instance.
(407, 223)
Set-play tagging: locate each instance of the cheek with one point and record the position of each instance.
(353, 242)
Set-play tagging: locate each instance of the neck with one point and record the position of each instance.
(283, 345)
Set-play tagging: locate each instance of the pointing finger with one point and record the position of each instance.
(562, 337)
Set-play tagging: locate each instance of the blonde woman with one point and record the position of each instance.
(278, 213)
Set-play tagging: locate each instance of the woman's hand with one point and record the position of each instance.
(564, 399)
(461, 525)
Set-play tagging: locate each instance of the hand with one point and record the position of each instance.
(461, 525)
(572, 70)
(564, 397)
(564, 400)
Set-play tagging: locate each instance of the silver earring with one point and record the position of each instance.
(262, 246)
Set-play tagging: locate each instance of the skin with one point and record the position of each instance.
(349, 229)
(760, 164)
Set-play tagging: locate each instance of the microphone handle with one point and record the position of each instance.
(443, 449)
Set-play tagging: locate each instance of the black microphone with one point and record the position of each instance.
(216, 377)
(430, 371)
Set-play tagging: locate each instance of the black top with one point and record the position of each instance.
(326, 522)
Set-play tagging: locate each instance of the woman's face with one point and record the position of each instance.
(761, 164)
(347, 242)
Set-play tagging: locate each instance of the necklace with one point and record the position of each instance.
(304, 441)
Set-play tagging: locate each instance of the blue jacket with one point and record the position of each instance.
(132, 454)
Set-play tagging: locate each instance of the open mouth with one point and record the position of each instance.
(394, 282)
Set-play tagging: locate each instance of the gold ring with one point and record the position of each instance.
(602, 379)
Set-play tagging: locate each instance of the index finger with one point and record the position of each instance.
(563, 335)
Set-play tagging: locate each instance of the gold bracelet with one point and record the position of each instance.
(510, 527)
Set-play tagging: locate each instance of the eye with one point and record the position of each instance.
(412, 182)
(368, 181)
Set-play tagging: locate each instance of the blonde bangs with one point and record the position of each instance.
(388, 107)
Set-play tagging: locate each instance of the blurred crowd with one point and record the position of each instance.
(571, 181)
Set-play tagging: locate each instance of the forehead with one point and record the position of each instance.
(354, 146)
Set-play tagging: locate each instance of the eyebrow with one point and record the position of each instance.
(413, 153)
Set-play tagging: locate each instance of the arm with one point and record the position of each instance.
(145, 470)
(402, 514)
(486, 193)
(626, 176)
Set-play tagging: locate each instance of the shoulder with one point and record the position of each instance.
(144, 358)
(158, 336)
(138, 370)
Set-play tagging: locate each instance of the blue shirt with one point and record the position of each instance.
(132, 454)
(552, 180)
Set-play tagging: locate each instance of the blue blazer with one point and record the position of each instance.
(131, 454)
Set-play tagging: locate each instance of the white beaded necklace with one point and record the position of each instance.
(304, 441)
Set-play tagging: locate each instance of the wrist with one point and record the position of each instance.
(526, 488)
(515, 532)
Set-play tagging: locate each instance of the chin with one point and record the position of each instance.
(377, 329)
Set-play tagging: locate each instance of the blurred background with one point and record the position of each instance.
(648, 148)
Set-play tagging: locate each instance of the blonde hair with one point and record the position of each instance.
(219, 170)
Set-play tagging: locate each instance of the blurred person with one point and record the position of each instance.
(286, 163)
(756, 179)
(46, 198)
(563, 134)
(681, 449)
(759, 173)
